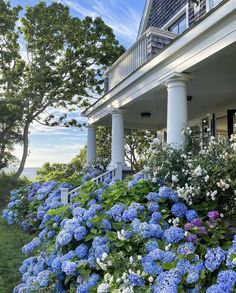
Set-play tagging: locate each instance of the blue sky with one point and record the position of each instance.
(60, 144)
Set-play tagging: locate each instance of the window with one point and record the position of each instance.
(211, 4)
(214, 3)
(179, 26)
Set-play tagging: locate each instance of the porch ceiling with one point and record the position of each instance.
(213, 87)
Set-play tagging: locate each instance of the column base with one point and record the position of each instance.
(115, 165)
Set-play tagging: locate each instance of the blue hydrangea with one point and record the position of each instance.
(43, 278)
(227, 279)
(105, 224)
(64, 237)
(179, 209)
(116, 212)
(135, 280)
(80, 233)
(191, 214)
(155, 218)
(153, 196)
(81, 251)
(216, 289)
(93, 280)
(229, 261)
(153, 207)
(214, 258)
(166, 193)
(151, 245)
(186, 248)
(68, 267)
(173, 234)
(192, 277)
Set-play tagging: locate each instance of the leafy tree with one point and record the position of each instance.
(137, 142)
(11, 69)
(65, 61)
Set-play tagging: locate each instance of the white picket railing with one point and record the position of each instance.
(134, 57)
(114, 173)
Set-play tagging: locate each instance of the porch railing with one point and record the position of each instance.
(114, 173)
(149, 44)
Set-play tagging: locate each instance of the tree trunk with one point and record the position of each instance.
(25, 152)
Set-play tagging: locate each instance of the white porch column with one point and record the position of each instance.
(177, 111)
(118, 148)
(91, 143)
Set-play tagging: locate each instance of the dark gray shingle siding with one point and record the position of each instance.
(163, 10)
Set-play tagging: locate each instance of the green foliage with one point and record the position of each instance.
(66, 60)
(11, 241)
(64, 173)
(7, 184)
(207, 175)
(137, 142)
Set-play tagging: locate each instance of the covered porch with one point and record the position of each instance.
(192, 81)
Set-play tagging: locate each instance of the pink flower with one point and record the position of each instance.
(213, 215)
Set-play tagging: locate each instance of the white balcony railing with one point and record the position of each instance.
(152, 41)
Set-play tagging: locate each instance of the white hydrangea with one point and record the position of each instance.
(103, 288)
(198, 171)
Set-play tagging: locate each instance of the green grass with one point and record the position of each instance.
(12, 238)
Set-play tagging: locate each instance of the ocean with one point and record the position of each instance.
(29, 172)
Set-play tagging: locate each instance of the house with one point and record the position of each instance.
(181, 70)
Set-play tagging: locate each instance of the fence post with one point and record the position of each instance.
(119, 174)
(64, 195)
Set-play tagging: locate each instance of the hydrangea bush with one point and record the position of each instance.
(130, 236)
(28, 205)
(207, 175)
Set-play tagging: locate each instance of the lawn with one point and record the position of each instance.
(12, 238)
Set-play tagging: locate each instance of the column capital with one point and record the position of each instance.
(176, 77)
(91, 126)
(115, 111)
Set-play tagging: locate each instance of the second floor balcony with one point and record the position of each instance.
(148, 45)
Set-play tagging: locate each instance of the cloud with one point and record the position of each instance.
(122, 18)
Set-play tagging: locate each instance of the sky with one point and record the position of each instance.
(62, 144)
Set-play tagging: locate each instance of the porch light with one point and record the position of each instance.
(189, 98)
(146, 114)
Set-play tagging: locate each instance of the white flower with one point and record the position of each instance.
(103, 288)
(131, 259)
(120, 236)
(213, 195)
(139, 257)
(176, 221)
(174, 178)
(104, 256)
(198, 171)
(118, 280)
(107, 277)
(146, 169)
(150, 279)
(234, 261)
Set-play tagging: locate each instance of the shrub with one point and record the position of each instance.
(130, 236)
(207, 176)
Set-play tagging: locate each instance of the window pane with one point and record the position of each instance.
(179, 26)
(175, 29)
(182, 25)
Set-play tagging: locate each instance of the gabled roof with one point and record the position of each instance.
(145, 16)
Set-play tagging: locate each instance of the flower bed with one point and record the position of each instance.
(130, 236)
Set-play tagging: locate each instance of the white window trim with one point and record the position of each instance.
(181, 12)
